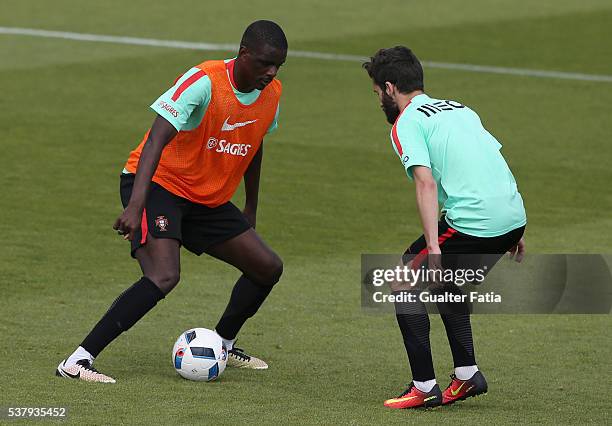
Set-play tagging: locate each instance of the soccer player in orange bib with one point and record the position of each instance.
(176, 189)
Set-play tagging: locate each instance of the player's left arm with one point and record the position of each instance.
(518, 251)
(410, 144)
(251, 187)
(251, 177)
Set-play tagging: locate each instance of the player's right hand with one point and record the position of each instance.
(518, 251)
(128, 223)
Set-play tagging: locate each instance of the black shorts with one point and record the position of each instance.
(462, 250)
(195, 226)
(459, 251)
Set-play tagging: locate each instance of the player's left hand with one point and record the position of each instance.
(250, 215)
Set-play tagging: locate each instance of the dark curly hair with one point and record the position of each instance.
(399, 66)
(264, 32)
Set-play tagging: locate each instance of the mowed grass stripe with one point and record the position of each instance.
(177, 44)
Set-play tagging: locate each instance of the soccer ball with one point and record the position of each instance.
(199, 354)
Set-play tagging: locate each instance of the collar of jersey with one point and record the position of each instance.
(230, 68)
(418, 100)
(415, 101)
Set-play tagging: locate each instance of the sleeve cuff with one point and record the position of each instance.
(411, 165)
(168, 114)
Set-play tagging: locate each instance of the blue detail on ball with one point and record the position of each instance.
(190, 336)
(201, 352)
(178, 359)
(213, 372)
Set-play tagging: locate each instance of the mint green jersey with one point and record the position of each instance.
(476, 188)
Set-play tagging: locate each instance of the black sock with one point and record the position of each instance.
(456, 318)
(126, 310)
(413, 321)
(459, 333)
(244, 302)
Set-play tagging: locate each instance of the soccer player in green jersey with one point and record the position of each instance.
(456, 164)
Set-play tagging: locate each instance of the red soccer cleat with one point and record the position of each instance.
(458, 390)
(414, 398)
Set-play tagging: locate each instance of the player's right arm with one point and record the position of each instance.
(176, 110)
(427, 205)
(162, 132)
(410, 145)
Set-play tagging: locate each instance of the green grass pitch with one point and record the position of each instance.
(331, 190)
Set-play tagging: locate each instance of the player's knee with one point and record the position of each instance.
(276, 271)
(271, 271)
(166, 281)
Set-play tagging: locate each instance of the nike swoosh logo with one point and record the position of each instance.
(227, 126)
(454, 392)
(74, 376)
(406, 398)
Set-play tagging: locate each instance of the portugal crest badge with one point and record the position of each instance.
(161, 222)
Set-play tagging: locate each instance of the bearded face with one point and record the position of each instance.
(390, 108)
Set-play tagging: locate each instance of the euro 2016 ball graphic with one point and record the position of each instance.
(199, 354)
